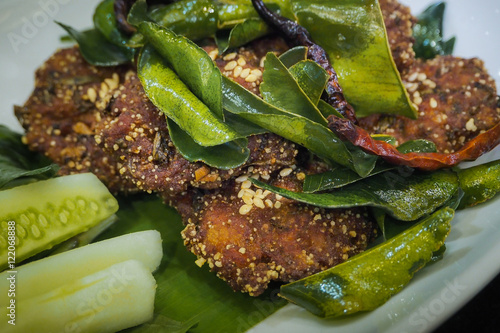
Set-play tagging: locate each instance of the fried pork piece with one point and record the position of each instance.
(63, 111)
(251, 237)
(456, 99)
(99, 120)
(399, 23)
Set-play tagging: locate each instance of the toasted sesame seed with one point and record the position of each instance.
(269, 203)
(433, 103)
(277, 204)
(241, 61)
(247, 199)
(245, 73)
(230, 56)
(421, 77)
(256, 72)
(241, 179)
(245, 209)
(200, 262)
(285, 172)
(237, 71)
(242, 250)
(92, 94)
(230, 65)
(251, 78)
(246, 184)
(258, 202)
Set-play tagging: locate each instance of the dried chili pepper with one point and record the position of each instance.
(122, 8)
(298, 35)
(474, 148)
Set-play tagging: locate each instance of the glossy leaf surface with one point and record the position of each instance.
(369, 279)
(406, 197)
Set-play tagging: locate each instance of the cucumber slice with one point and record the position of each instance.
(42, 276)
(39, 215)
(109, 300)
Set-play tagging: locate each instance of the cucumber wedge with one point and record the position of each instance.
(37, 216)
(109, 300)
(41, 276)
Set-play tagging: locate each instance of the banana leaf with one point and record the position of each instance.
(188, 297)
(18, 164)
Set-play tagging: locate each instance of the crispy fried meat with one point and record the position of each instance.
(251, 237)
(100, 120)
(456, 99)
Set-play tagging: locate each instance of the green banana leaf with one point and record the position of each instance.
(19, 165)
(187, 296)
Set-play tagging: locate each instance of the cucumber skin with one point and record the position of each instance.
(48, 212)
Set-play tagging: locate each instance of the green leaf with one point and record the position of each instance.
(191, 63)
(105, 21)
(311, 78)
(315, 137)
(280, 89)
(194, 19)
(293, 56)
(165, 89)
(352, 32)
(479, 183)
(404, 196)
(97, 50)
(241, 34)
(368, 280)
(428, 33)
(187, 296)
(19, 165)
(226, 156)
(341, 176)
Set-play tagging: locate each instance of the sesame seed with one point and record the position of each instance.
(433, 103)
(230, 65)
(200, 262)
(421, 77)
(242, 62)
(258, 202)
(246, 184)
(245, 209)
(230, 56)
(237, 71)
(241, 179)
(256, 72)
(251, 78)
(242, 250)
(285, 172)
(245, 73)
(92, 94)
(277, 204)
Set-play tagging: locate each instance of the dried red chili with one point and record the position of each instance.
(474, 148)
(296, 35)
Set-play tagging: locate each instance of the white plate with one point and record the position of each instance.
(28, 36)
